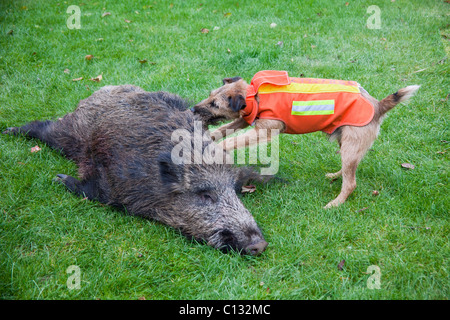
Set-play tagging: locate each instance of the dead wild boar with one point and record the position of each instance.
(120, 138)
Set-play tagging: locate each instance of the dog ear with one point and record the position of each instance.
(231, 80)
(237, 102)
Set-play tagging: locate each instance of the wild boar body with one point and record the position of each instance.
(121, 139)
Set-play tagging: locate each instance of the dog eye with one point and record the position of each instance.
(214, 105)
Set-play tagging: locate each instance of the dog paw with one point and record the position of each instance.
(332, 176)
(332, 204)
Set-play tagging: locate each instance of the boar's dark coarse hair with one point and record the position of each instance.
(120, 138)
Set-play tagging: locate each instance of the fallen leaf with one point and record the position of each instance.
(141, 298)
(97, 79)
(89, 57)
(227, 15)
(66, 71)
(280, 43)
(420, 70)
(127, 21)
(408, 166)
(106, 14)
(99, 39)
(375, 193)
(360, 210)
(143, 61)
(341, 265)
(346, 4)
(313, 46)
(248, 189)
(228, 50)
(77, 79)
(35, 149)
(204, 30)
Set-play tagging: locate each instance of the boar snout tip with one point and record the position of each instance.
(257, 248)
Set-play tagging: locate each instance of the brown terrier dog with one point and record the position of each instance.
(343, 109)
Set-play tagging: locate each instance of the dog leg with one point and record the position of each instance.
(264, 130)
(354, 144)
(247, 139)
(226, 129)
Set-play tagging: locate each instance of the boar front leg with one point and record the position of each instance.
(87, 188)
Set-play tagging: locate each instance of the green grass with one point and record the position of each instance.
(404, 230)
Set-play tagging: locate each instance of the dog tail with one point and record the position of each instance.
(393, 99)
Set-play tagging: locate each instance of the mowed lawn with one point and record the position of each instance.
(187, 47)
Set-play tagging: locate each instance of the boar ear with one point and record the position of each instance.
(237, 102)
(230, 80)
(171, 173)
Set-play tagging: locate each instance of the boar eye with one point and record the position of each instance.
(206, 196)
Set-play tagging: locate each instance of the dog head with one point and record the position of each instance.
(224, 103)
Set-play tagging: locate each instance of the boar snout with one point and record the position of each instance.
(256, 249)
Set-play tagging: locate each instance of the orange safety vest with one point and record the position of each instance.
(304, 104)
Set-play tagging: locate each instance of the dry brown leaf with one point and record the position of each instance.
(227, 15)
(204, 30)
(375, 193)
(127, 21)
(248, 189)
(143, 61)
(77, 79)
(89, 57)
(35, 149)
(408, 166)
(66, 71)
(106, 14)
(97, 79)
(341, 265)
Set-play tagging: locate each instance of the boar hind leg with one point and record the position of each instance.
(41, 130)
(86, 188)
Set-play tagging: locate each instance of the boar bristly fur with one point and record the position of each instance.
(120, 138)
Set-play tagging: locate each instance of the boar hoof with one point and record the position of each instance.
(70, 182)
(10, 130)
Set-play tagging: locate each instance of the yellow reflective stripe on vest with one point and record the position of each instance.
(307, 88)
